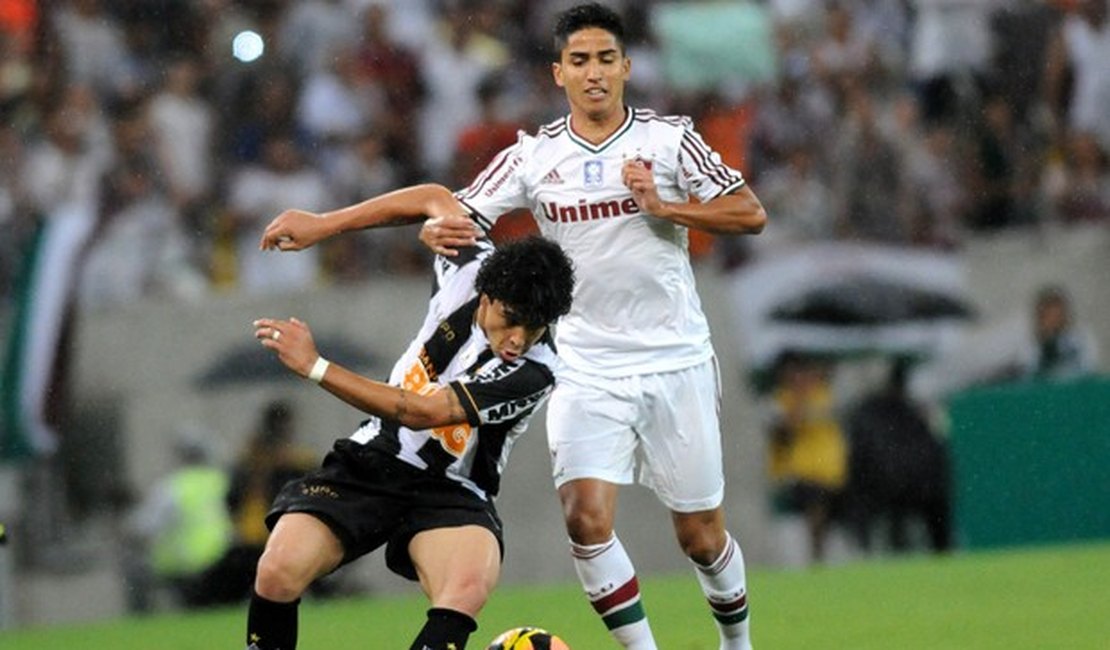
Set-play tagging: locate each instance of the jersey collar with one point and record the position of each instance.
(629, 114)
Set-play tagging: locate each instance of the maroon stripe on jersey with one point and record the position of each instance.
(726, 180)
(489, 172)
(646, 115)
(730, 189)
(698, 150)
(626, 593)
(722, 175)
(693, 145)
(553, 129)
(552, 134)
(703, 165)
(696, 144)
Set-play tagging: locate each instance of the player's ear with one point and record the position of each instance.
(484, 302)
(557, 74)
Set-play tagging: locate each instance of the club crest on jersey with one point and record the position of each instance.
(592, 172)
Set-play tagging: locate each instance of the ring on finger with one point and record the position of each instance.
(276, 335)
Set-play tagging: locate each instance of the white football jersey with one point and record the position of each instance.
(636, 309)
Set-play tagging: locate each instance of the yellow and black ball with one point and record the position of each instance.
(527, 638)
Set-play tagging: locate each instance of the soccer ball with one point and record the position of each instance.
(527, 638)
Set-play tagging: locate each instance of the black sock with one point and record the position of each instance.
(446, 629)
(270, 625)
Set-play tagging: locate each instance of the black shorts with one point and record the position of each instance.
(369, 498)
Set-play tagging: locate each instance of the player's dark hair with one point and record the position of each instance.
(583, 16)
(533, 277)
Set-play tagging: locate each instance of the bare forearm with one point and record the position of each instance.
(414, 410)
(291, 339)
(732, 214)
(295, 230)
(400, 207)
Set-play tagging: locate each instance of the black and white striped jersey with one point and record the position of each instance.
(499, 397)
(636, 308)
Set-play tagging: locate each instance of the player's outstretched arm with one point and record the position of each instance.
(295, 230)
(292, 341)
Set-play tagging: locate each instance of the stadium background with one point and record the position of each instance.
(136, 369)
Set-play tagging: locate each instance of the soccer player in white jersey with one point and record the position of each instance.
(419, 477)
(638, 380)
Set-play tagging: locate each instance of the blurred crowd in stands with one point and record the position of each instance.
(877, 464)
(198, 533)
(184, 126)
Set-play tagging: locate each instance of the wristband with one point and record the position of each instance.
(318, 369)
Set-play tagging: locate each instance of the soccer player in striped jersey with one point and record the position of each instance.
(638, 381)
(419, 477)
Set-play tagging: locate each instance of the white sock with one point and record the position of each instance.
(724, 586)
(609, 579)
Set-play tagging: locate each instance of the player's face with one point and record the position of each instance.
(508, 338)
(593, 70)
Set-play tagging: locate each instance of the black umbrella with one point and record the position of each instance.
(250, 362)
(847, 299)
(860, 300)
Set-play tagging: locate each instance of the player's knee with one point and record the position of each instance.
(588, 521)
(702, 544)
(588, 525)
(279, 579)
(468, 595)
(474, 597)
(701, 551)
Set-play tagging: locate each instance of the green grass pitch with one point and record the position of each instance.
(1010, 599)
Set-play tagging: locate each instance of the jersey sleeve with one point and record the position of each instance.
(702, 171)
(499, 188)
(506, 392)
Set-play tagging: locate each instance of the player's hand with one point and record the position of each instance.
(445, 235)
(291, 340)
(637, 176)
(293, 230)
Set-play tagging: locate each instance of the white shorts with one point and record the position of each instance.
(666, 423)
